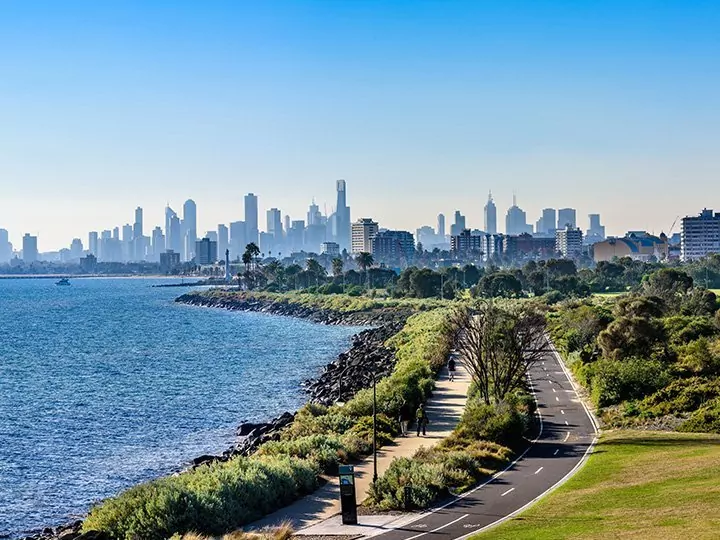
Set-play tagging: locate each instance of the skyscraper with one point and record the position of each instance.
(158, 243)
(516, 220)
(93, 243)
(238, 239)
(566, 218)
(440, 226)
(223, 239)
(547, 222)
(274, 223)
(138, 241)
(342, 217)
(251, 218)
(189, 229)
(459, 225)
(138, 225)
(490, 216)
(314, 217)
(30, 249)
(596, 232)
(5, 246)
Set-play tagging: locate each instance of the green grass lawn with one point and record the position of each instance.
(635, 485)
(607, 294)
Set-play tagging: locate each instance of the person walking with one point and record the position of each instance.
(404, 417)
(451, 369)
(422, 420)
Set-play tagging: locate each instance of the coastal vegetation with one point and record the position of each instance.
(650, 358)
(219, 497)
(636, 484)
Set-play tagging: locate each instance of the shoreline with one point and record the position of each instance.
(340, 379)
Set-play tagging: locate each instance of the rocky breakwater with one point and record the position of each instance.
(238, 301)
(70, 531)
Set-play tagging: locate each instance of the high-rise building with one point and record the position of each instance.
(363, 231)
(490, 216)
(341, 230)
(189, 229)
(569, 242)
(700, 235)
(206, 251)
(5, 246)
(238, 239)
(466, 242)
(314, 217)
(547, 222)
(127, 242)
(393, 246)
(251, 218)
(596, 231)
(274, 223)
(566, 218)
(296, 236)
(174, 239)
(223, 239)
(158, 243)
(138, 225)
(76, 249)
(440, 226)
(93, 243)
(516, 220)
(30, 248)
(459, 225)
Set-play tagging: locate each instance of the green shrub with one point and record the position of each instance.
(386, 429)
(503, 424)
(681, 396)
(704, 420)
(613, 381)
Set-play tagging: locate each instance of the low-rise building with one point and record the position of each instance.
(330, 248)
(388, 246)
(700, 235)
(527, 246)
(637, 245)
(169, 260)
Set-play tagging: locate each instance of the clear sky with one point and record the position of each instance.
(422, 106)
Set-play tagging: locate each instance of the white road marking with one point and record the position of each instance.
(554, 391)
(439, 528)
(556, 452)
(540, 469)
(566, 423)
(567, 436)
(562, 412)
(508, 491)
(557, 398)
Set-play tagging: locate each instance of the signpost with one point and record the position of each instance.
(348, 504)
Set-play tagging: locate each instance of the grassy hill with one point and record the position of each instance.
(636, 484)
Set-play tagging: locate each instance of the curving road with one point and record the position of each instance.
(566, 437)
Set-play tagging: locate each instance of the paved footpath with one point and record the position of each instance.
(444, 410)
(568, 432)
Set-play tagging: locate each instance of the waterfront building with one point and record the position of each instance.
(169, 260)
(206, 251)
(362, 232)
(637, 245)
(88, 264)
(387, 246)
(490, 215)
(569, 242)
(516, 220)
(30, 249)
(566, 218)
(700, 235)
(252, 232)
(331, 249)
(466, 242)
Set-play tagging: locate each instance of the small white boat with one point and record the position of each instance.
(63, 281)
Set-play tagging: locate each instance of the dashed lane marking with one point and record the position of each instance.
(566, 423)
(562, 412)
(556, 452)
(557, 398)
(508, 491)
(540, 469)
(567, 436)
(439, 528)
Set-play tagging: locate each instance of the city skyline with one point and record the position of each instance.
(421, 107)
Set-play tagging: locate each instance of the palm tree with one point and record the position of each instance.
(365, 260)
(251, 252)
(316, 270)
(337, 267)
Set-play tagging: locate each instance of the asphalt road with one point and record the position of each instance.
(566, 435)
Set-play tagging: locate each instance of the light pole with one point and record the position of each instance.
(375, 474)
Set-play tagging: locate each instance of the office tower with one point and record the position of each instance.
(296, 236)
(138, 225)
(127, 243)
(459, 225)
(566, 218)
(363, 230)
(93, 242)
(189, 229)
(238, 239)
(274, 225)
(76, 249)
(158, 243)
(251, 218)
(174, 239)
(30, 249)
(287, 223)
(5, 246)
(516, 220)
(206, 251)
(699, 235)
(596, 231)
(547, 222)
(116, 234)
(223, 239)
(440, 226)
(314, 217)
(490, 216)
(569, 242)
(342, 216)
(425, 235)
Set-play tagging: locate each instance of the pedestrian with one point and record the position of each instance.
(421, 418)
(451, 368)
(404, 418)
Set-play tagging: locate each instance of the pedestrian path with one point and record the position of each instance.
(444, 410)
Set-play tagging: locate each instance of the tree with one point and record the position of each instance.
(364, 260)
(315, 270)
(251, 252)
(669, 284)
(337, 267)
(501, 284)
(498, 345)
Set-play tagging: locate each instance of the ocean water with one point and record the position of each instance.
(108, 382)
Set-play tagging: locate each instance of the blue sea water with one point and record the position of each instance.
(108, 382)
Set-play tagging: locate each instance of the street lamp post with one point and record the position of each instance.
(375, 474)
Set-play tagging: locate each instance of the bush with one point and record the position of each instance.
(704, 420)
(503, 424)
(386, 429)
(681, 396)
(613, 381)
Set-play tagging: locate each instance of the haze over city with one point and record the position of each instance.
(423, 107)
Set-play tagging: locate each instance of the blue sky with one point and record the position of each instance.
(610, 107)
